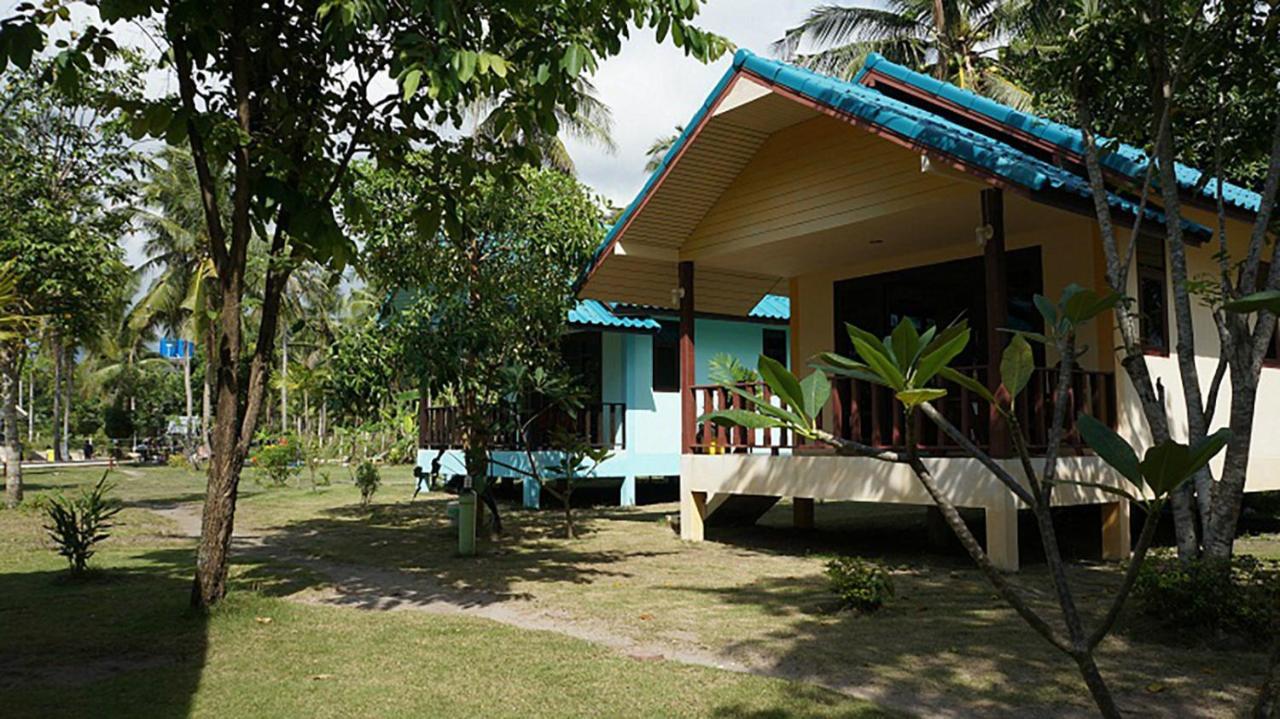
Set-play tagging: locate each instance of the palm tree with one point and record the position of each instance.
(585, 117)
(660, 148)
(960, 41)
(181, 296)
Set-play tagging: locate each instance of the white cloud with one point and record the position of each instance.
(652, 88)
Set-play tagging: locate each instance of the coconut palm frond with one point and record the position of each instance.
(659, 149)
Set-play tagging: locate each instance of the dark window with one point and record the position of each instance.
(775, 345)
(666, 357)
(582, 356)
(1153, 314)
(938, 295)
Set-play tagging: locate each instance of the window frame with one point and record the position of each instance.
(1146, 271)
(661, 340)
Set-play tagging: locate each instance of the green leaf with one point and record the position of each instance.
(740, 418)
(787, 417)
(1081, 305)
(816, 390)
(845, 367)
(905, 342)
(1206, 449)
(1111, 447)
(1047, 309)
(1163, 466)
(969, 383)
(933, 361)
(1268, 300)
(913, 397)
(782, 382)
(1016, 365)
(411, 82)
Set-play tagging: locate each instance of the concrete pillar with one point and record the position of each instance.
(1116, 542)
(532, 494)
(802, 512)
(693, 514)
(627, 496)
(1002, 535)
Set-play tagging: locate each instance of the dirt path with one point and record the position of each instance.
(374, 589)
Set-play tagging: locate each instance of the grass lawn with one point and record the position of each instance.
(755, 598)
(122, 642)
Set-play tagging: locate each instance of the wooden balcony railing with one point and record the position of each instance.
(603, 424)
(869, 413)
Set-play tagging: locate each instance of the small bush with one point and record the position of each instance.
(279, 460)
(178, 460)
(1237, 597)
(862, 585)
(78, 524)
(367, 479)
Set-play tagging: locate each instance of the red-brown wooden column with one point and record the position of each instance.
(997, 290)
(688, 409)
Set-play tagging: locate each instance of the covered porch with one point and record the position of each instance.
(858, 218)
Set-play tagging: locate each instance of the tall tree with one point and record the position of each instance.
(287, 93)
(63, 166)
(960, 41)
(1197, 87)
(489, 292)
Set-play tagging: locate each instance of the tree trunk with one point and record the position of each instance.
(55, 427)
(68, 371)
(284, 381)
(186, 385)
(31, 405)
(11, 450)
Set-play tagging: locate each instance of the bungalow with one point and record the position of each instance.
(896, 195)
(627, 358)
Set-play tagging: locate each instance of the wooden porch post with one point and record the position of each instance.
(688, 410)
(997, 290)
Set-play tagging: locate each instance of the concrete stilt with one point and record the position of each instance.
(802, 512)
(627, 497)
(1002, 535)
(693, 515)
(1116, 542)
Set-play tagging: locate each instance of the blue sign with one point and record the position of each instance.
(176, 349)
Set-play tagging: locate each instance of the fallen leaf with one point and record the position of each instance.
(320, 677)
(262, 620)
(646, 617)
(1155, 688)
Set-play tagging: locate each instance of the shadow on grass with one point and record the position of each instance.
(390, 556)
(118, 642)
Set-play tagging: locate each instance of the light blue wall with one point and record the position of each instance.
(652, 442)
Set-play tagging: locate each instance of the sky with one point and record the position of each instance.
(652, 88)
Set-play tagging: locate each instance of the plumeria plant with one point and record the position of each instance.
(913, 365)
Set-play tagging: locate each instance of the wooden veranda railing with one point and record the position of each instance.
(869, 413)
(603, 424)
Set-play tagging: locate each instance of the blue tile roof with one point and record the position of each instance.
(1122, 158)
(933, 132)
(593, 313)
(772, 307)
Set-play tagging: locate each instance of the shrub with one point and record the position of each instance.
(367, 479)
(278, 460)
(178, 460)
(78, 524)
(862, 585)
(1238, 597)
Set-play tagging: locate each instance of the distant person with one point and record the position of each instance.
(88, 448)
